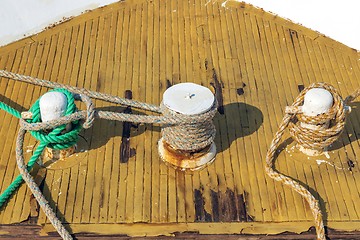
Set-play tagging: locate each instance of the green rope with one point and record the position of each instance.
(10, 110)
(55, 139)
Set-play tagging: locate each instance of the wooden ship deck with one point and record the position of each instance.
(255, 61)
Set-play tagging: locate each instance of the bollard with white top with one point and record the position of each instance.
(316, 101)
(53, 106)
(188, 100)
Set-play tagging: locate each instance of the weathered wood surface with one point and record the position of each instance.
(256, 64)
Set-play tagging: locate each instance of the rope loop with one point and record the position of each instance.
(309, 138)
(57, 139)
(90, 110)
(318, 138)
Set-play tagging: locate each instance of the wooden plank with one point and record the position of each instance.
(19, 214)
(5, 60)
(289, 91)
(198, 186)
(212, 200)
(163, 198)
(256, 63)
(248, 124)
(292, 37)
(342, 203)
(54, 189)
(305, 63)
(263, 134)
(47, 192)
(154, 98)
(59, 193)
(8, 153)
(257, 99)
(83, 214)
(226, 74)
(92, 184)
(204, 78)
(333, 77)
(138, 78)
(100, 133)
(68, 178)
(171, 174)
(80, 82)
(176, 76)
(352, 191)
(54, 57)
(121, 216)
(213, 72)
(129, 78)
(68, 194)
(13, 63)
(115, 129)
(106, 66)
(146, 65)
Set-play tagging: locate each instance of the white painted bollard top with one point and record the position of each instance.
(188, 98)
(317, 101)
(52, 106)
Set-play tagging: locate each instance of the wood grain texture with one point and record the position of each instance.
(255, 63)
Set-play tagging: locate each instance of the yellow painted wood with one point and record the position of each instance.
(145, 46)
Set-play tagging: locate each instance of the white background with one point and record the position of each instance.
(339, 20)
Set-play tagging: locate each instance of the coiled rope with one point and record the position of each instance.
(184, 132)
(319, 139)
(54, 139)
(315, 139)
(200, 133)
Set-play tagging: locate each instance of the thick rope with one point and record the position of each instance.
(44, 204)
(195, 133)
(189, 133)
(319, 139)
(53, 139)
(337, 115)
(92, 94)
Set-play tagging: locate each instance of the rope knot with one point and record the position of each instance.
(57, 138)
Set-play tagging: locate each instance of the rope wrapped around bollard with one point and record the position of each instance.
(196, 132)
(54, 139)
(318, 139)
(185, 132)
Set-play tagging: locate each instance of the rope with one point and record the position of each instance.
(189, 133)
(35, 189)
(352, 96)
(195, 133)
(53, 139)
(96, 95)
(318, 140)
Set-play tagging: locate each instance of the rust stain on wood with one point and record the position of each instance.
(226, 207)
